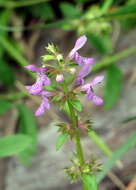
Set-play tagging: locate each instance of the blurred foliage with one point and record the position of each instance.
(101, 22)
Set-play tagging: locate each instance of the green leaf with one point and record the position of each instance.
(89, 182)
(61, 140)
(123, 11)
(42, 11)
(100, 43)
(69, 10)
(27, 126)
(76, 104)
(130, 142)
(14, 144)
(100, 143)
(5, 106)
(7, 76)
(113, 85)
(4, 20)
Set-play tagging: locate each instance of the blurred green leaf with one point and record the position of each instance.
(42, 11)
(99, 142)
(101, 43)
(27, 126)
(69, 10)
(122, 12)
(5, 106)
(14, 144)
(113, 85)
(76, 104)
(89, 182)
(61, 140)
(130, 142)
(4, 20)
(7, 76)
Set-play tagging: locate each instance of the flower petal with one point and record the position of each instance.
(97, 100)
(59, 78)
(40, 111)
(85, 87)
(32, 68)
(43, 107)
(46, 81)
(85, 70)
(36, 88)
(90, 94)
(96, 80)
(82, 60)
(79, 44)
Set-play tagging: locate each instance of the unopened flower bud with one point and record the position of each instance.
(48, 57)
(59, 57)
(72, 70)
(59, 78)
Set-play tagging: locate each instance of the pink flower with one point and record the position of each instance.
(88, 88)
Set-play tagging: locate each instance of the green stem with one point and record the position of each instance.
(15, 4)
(79, 149)
(75, 127)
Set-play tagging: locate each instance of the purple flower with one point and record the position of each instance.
(85, 62)
(78, 45)
(45, 103)
(90, 92)
(85, 70)
(41, 80)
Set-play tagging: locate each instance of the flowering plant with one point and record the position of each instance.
(63, 81)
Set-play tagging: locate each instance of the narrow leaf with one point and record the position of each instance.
(61, 140)
(123, 11)
(113, 85)
(100, 143)
(130, 142)
(14, 144)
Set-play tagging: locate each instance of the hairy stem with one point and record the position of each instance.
(79, 149)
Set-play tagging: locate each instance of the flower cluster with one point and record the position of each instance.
(43, 75)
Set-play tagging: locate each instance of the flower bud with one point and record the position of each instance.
(59, 57)
(72, 70)
(59, 78)
(48, 57)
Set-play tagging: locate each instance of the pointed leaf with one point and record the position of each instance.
(130, 142)
(61, 140)
(14, 144)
